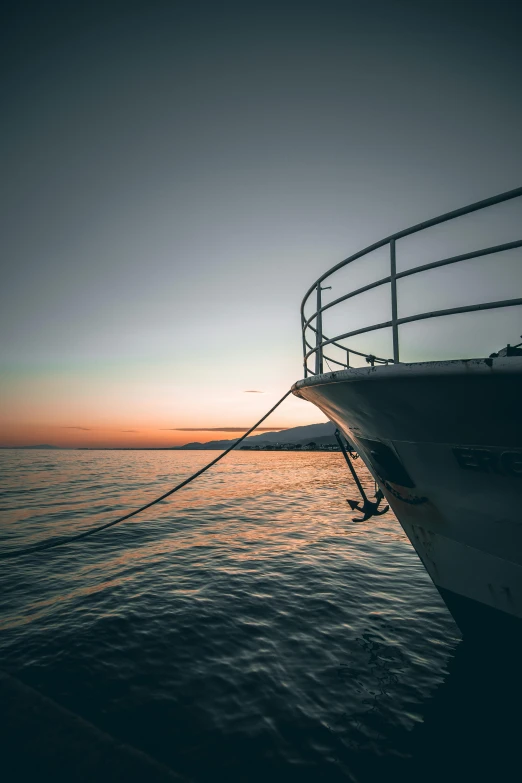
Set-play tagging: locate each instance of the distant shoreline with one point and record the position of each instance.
(308, 437)
(285, 447)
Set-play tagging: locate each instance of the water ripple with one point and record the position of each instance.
(248, 628)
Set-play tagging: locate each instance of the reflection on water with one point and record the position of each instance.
(247, 628)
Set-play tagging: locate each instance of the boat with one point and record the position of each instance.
(442, 438)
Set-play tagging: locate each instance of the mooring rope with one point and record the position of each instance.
(69, 539)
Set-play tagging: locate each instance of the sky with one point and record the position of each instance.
(176, 175)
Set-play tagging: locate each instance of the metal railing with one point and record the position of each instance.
(321, 341)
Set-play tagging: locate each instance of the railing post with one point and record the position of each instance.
(347, 358)
(319, 335)
(305, 363)
(393, 278)
(319, 332)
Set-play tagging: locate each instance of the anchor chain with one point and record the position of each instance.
(370, 508)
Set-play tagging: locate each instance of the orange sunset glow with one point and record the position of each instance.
(137, 413)
(106, 437)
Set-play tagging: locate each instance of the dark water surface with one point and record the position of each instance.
(247, 629)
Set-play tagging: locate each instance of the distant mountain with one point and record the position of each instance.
(39, 446)
(319, 433)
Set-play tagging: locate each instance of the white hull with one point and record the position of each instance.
(444, 442)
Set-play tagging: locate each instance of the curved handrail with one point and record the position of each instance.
(349, 351)
(395, 322)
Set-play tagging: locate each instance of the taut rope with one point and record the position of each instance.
(69, 539)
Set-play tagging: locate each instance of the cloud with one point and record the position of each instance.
(219, 429)
(86, 429)
(128, 430)
(253, 391)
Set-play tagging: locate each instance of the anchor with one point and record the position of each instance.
(370, 508)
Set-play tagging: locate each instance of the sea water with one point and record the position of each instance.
(246, 629)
